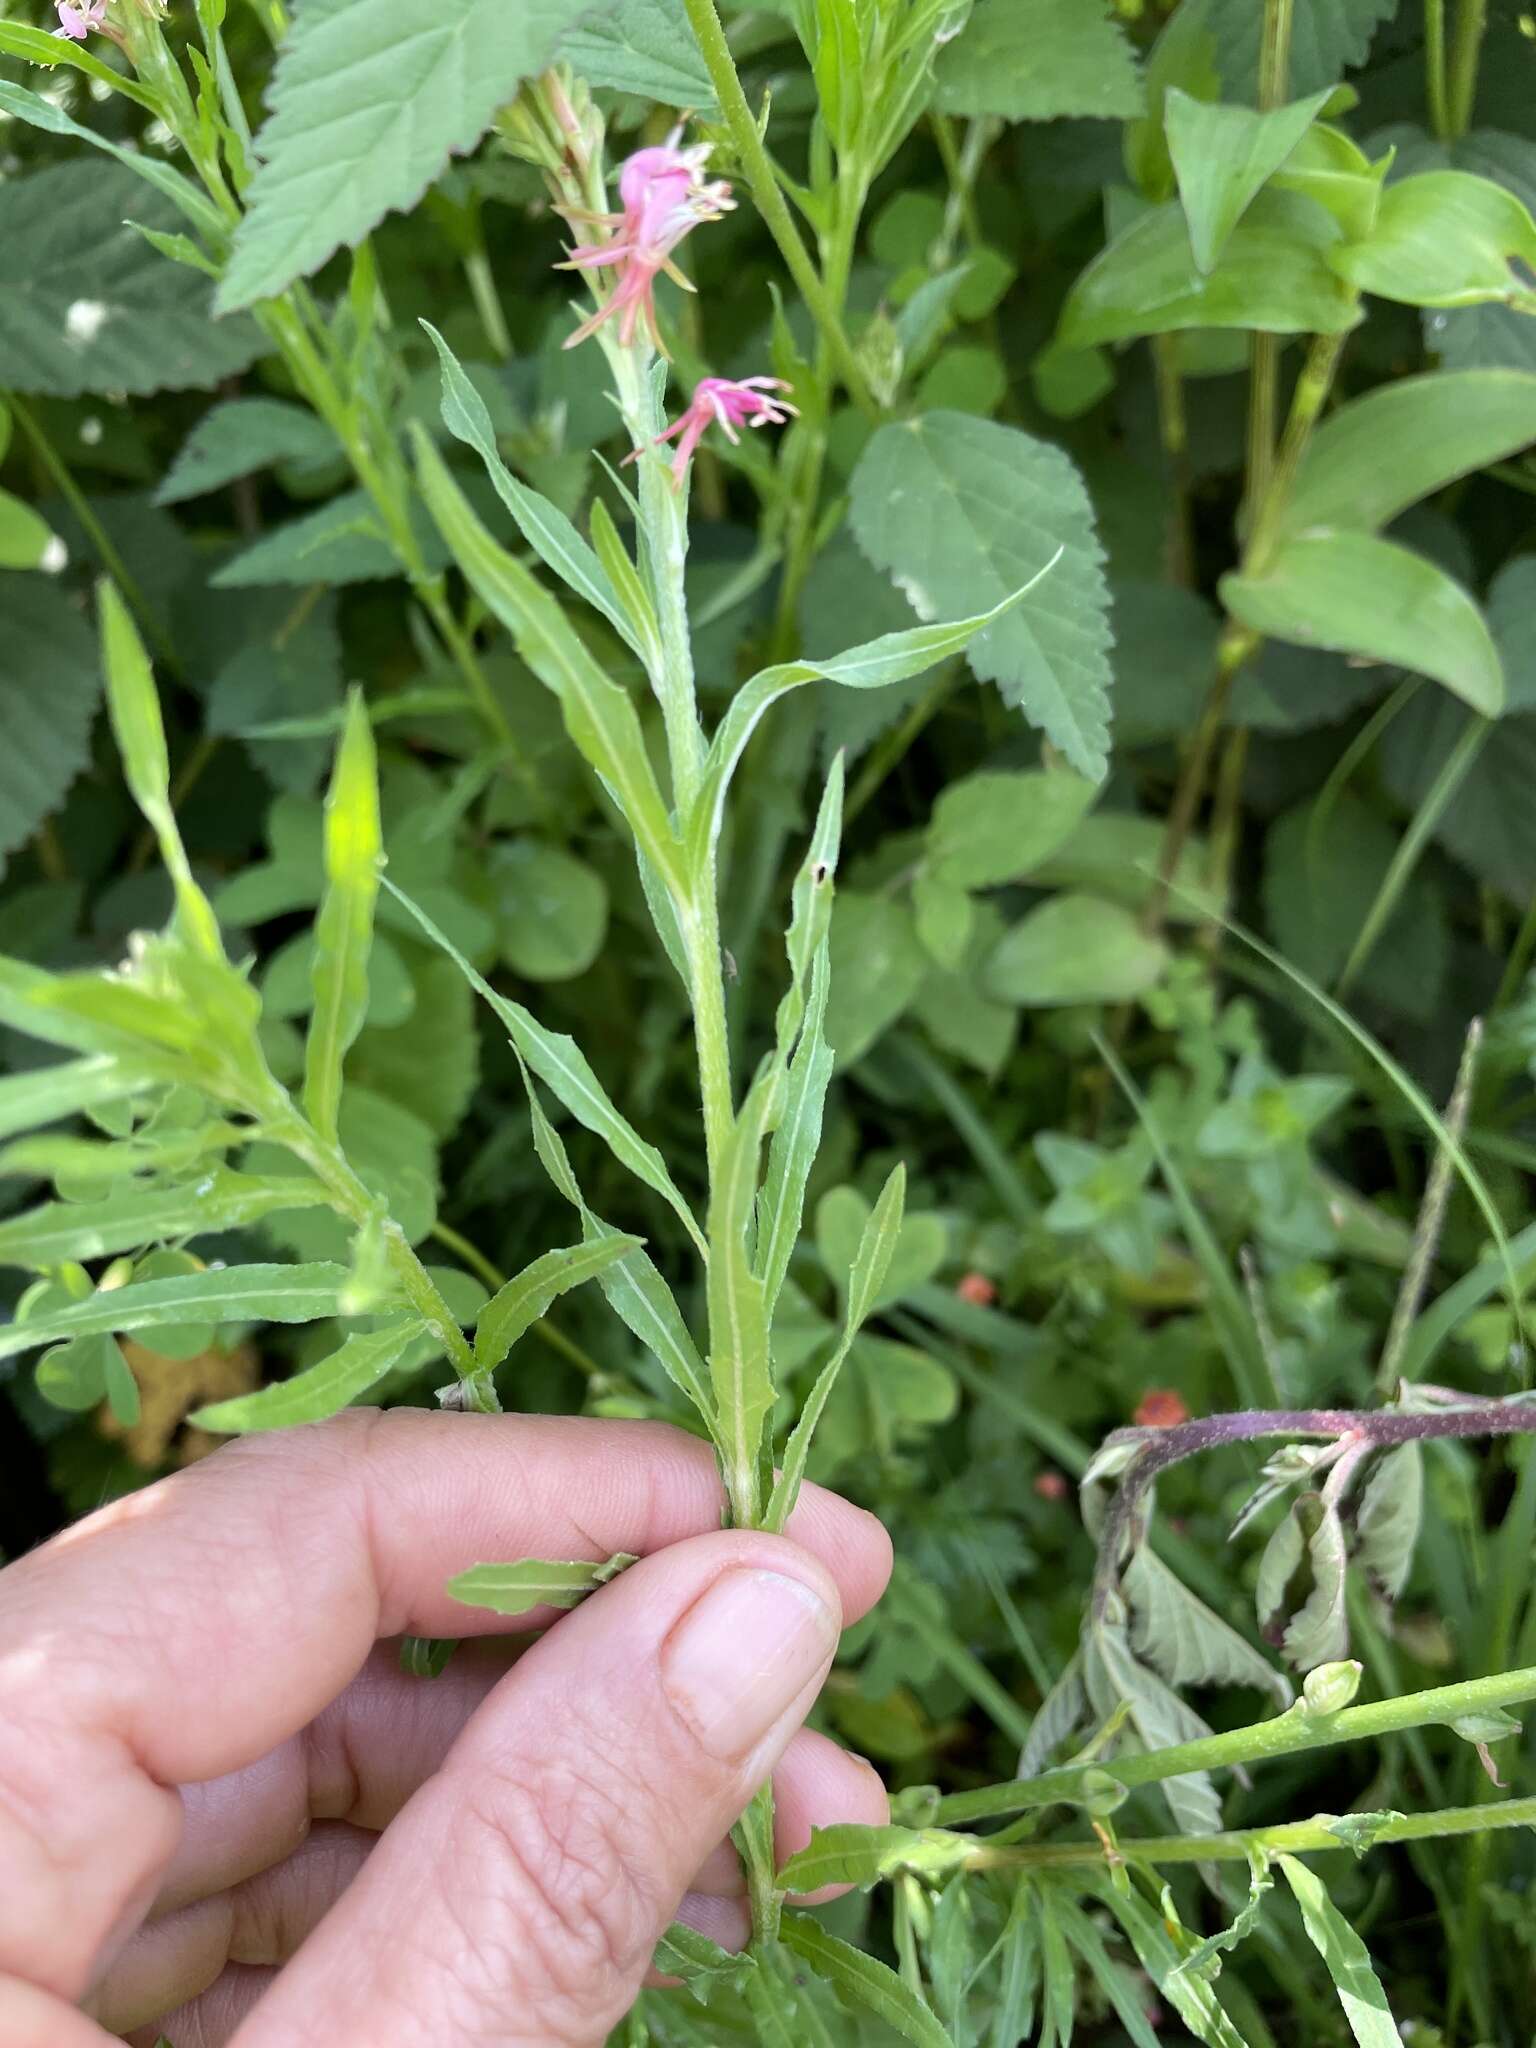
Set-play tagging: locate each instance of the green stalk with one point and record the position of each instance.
(1264, 349)
(1289, 1838)
(1434, 68)
(1285, 1735)
(1461, 96)
(769, 199)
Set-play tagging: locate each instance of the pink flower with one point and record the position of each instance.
(665, 195)
(76, 22)
(725, 402)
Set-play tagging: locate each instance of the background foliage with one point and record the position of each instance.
(1074, 267)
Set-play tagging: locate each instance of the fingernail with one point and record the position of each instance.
(743, 1654)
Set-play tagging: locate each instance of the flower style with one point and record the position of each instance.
(76, 22)
(725, 402)
(665, 195)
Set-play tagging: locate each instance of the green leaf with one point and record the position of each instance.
(75, 1376)
(563, 1068)
(683, 1952)
(265, 1294)
(354, 854)
(543, 525)
(739, 1366)
(1222, 157)
(871, 1263)
(134, 708)
(40, 46)
(647, 48)
(1346, 1958)
(599, 715)
(535, 1582)
(1184, 1641)
(960, 513)
(369, 101)
(87, 305)
(1055, 57)
(1275, 275)
(242, 435)
(1060, 1984)
(1445, 238)
(39, 112)
(141, 1216)
(50, 685)
(849, 1854)
(341, 543)
(1387, 1519)
(1369, 597)
(1123, 1689)
(25, 539)
(44, 1095)
(1074, 949)
(527, 1297)
(995, 827)
(859, 1978)
(551, 910)
(1381, 453)
(357, 1364)
(878, 966)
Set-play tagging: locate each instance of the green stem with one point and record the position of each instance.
(893, 746)
(1286, 1735)
(58, 472)
(1434, 68)
(770, 201)
(1290, 1838)
(1461, 95)
(1519, 958)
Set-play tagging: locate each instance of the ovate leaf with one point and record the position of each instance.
(1378, 455)
(1222, 157)
(535, 1582)
(644, 47)
(369, 100)
(1445, 238)
(1039, 62)
(239, 436)
(1369, 597)
(87, 305)
(324, 1389)
(994, 827)
(961, 513)
(1074, 949)
(344, 927)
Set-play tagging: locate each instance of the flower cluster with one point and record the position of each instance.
(665, 195)
(728, 403)
(77, 21)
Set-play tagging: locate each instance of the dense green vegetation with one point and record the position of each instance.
(1098, 997)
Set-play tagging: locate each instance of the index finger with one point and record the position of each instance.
(185, 1631)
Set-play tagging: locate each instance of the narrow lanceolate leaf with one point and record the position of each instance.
(891, 659)
(253, 1294)
(1190, 1994)
(526, 1297)
(535, 1582)
(562, 1067)
(864, 1981)
(632, 1286)
(145, 1216)
(1346, 1957)
(683, 1952)
(354, 850)
(961, 513)
(49, 1093)
(792, 1153)
(599, 716)
(870, 1266)
(325, 1389)
(1365, 596)
(140, 735)
(850, 1854)
(543, 525)
(369, 101)
(738, 1312)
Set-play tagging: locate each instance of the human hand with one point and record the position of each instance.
(199, 1743)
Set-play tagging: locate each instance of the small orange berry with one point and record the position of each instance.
(1051, 1486)
(1160, 1408)
(977, 1289)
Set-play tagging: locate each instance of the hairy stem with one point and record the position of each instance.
(1285, 1734)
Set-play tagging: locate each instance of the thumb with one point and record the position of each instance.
(517, 1898)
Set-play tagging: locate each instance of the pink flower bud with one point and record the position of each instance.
(77, 21)
(728, 403)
